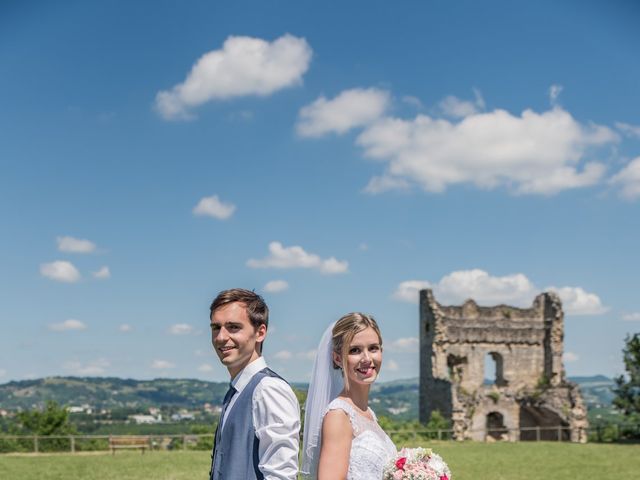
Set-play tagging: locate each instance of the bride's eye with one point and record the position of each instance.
(354, 350)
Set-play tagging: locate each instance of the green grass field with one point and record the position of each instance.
(468, 461)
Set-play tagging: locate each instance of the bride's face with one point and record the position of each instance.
(364, 357)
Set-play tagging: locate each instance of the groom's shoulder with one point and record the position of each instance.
(271, 379)
(273, 385)
(271, 374)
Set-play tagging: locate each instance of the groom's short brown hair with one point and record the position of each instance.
(257, 309)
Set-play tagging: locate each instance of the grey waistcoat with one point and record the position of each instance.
(236, 457)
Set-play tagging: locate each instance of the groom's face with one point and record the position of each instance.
(235, 339)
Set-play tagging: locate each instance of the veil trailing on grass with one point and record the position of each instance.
(326, 383)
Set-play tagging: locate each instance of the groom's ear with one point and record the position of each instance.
(261, 332)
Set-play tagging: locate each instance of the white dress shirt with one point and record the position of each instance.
(276, 420)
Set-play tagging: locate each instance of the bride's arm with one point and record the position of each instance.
(336, 446)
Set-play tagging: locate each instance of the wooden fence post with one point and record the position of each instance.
(537, 433)
(35, 443)
(73, 443)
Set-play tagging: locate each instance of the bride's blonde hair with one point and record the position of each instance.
(343, 332)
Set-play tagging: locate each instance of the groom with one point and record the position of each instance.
(257, 435)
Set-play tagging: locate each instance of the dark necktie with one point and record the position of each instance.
(225, 403)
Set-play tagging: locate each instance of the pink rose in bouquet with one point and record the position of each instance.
(417, 464)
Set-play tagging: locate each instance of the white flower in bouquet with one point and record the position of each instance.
(417, 464)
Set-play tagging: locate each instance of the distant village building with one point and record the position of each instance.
(212, 409)
(80, 409)
(182, 415)
(529, 397)
(144, 419)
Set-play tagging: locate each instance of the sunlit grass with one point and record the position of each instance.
(468, 461)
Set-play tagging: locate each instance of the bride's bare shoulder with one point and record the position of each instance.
(336, 422)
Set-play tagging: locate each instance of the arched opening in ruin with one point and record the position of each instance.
(538, 423)
(495, 426)
(494, 369)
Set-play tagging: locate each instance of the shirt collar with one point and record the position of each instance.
(242, 379)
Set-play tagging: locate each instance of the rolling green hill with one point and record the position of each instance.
(397, 399)
(110, 392)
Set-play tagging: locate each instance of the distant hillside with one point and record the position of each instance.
(110, 392)
(597, 390)
(397, 399)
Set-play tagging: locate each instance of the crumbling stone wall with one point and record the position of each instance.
(530, 389)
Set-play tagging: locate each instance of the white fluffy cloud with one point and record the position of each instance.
(244, 66)
(96, 367)
(534, 153)
(404, 345)
(454, 107)
(631, 317)
(214, 207)
(125, 327)
(628, 179)
(554, 93)
(102, 274)
(385, 183)
(570, 357)
(3, 372)
(205, 367)
(391, 365)
(60, 271)
(296, 257)
(578, 302)
(629, 130)
(283, 355)
(308, 355)
(75, 245)
(350, 109)
(180, 329)
(275, 286)
(162, 365)
(515, 289)
(409, 290)
(70, 324)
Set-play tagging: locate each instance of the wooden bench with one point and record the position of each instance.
(128, 441)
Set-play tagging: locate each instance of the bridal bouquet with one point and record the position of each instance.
(417, 464)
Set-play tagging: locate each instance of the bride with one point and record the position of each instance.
(342, 438)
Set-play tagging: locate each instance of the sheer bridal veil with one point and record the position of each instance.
(326, 383)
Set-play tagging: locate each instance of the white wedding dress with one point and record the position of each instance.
(371, 448)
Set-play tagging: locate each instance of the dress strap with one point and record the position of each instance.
(356, 419)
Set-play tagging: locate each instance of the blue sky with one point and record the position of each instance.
(333, 156)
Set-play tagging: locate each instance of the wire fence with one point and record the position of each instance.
(612, 432)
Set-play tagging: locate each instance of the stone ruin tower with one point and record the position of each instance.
(529, 388)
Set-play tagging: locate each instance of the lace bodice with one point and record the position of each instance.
(371, 448)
